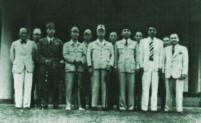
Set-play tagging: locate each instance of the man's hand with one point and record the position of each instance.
(183, 76)
(160, 71)
(47, 62)
(163, 76)
(116, 71)
(77, 62)
(141, 70)
(90, 70)
(62, 61)
(137, 70)
(108, 68)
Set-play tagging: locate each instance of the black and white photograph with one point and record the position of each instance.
(100, 61)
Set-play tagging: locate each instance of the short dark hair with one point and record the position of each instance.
(50, 25)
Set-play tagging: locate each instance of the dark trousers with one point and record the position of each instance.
(48, 85)
(113, 89)
(35, 80)
(162, 92)
(138, 90)
(85, 89)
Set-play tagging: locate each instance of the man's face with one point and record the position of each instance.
(87, 37)
(138, 36)
(174, 39)
(23, 34)
(50, 32)
(75, 34)
(152, 32)
(166, 41)
(36, 37)
(113, 37)
(126, 33)
(101, 33)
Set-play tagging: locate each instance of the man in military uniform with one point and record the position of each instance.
(36, 38)
(138, 77)
(75, 58)
(49, 58)
(126, 62)
(113, 85)
(100, 59)
(86, 77)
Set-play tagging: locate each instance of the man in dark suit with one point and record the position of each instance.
(138, 77)
(161, 89)
(50, 59)
(113, 85)
(34, 93)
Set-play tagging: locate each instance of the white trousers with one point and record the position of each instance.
(174, 85)
(149, 78)
(98, 83)
(23, 86)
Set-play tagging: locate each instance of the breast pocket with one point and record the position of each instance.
(95, 54)
(120, 50)
(71, 52)
(131, 50)
(106, 51)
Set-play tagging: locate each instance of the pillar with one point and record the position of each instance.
(6, 82)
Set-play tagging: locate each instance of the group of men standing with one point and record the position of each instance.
(123, 71)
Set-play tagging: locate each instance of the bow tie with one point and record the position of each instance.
(23, 41)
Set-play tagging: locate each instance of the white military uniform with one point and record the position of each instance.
(150, 74)
(126, 60)
(99, 56)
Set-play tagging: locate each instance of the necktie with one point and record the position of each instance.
(173, 49)
(126, 43)
(151, 49)
(51, 42)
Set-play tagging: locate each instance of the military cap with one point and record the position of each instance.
(101, 26)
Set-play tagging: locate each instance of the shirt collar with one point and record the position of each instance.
(50, 39)
(101, 42)
(151, 38)
(175, 46)
(85, 42)
(124, 40)
(72, 42)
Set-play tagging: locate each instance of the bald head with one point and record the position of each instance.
(138, 36)
(23, 33)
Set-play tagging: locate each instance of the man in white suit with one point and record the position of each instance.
(176, 70)
(22, 56)
(151, 56)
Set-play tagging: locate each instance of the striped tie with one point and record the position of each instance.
(151, 49)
